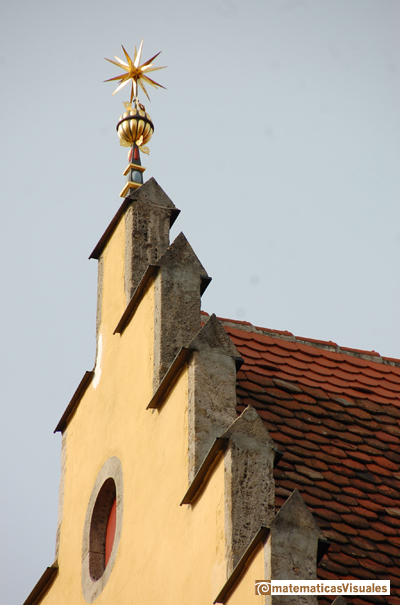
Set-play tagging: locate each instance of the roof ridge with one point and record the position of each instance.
(319, 344)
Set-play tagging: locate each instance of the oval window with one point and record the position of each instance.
(110, 531)
(102, 529)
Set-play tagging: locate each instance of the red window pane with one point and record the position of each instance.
(110, 532)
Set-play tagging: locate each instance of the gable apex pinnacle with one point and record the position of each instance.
(250, 425)
(295, 515)
(151, 192)
(181, 253)
(212, 335)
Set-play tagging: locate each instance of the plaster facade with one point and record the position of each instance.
(166, 551)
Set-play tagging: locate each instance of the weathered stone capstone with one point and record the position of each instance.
(291, 548)
(249, 482)
(147, 224)
(177, 297)
(212, 390)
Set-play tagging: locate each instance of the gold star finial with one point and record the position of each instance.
(135, 73)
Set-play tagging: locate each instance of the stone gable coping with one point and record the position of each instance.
(181, 253)
(213, 336)
(295, 515)
(211, 390)
(290, 552)
(150, 192)
(249, 483)
(177, 294)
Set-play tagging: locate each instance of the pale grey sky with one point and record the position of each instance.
(278, 138)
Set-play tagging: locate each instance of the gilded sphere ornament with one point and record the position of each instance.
(135, 126)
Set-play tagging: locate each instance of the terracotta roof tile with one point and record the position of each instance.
(346, 500)
(379, 470)
(355, 552)
(263, 338)
(335, 536)
(394, 376)
(365, 484)
(386, 420)
(345, 445)
(247, 352)
(344, 529)
(361, 431)
(330, 487)
(337, 507)
(344, 400)
(336, 415)
(342, 471)
(309, 472)
(308, 382)
(380, 445)
(372, 565)
(314, 437)
(356, 521)
(327, 458)
(344, 559)
(365, 512)
(334, 451)
(380, 558)
(309, 445)
(394, 582)
(392, 430)
(349, 436)
(354, 465)
(391, 481)
(309, 351)
(387, 491)
(280, 411)
(391, 410)
(363, 543)
(363, 574)
(389, 549)
(362, 456)
(385, 529)
(371, 534)
(324, 574)
(382, 368)
(383, 500)
(334, 567)
(317, 393)
(316, 464)
(337, 479)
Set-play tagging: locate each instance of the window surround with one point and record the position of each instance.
(103, 487)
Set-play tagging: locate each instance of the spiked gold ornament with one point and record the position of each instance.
(135, 127)
(136, 74)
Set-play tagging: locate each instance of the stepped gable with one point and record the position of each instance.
(335, 413)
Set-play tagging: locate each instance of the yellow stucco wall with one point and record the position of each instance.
(167, 553)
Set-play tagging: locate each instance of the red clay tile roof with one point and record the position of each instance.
(335, 413)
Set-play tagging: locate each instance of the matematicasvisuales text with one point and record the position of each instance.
(293, 587)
